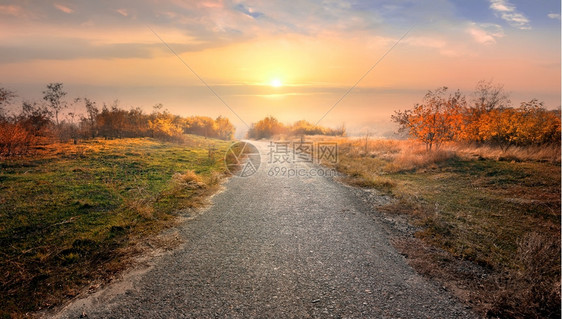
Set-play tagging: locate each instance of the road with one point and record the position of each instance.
(276, 247)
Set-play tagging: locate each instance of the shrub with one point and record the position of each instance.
(15, 139)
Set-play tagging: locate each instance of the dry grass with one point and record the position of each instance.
(549, 153)
(188, 180)
(398, 155)
(368, 163)
(473, 204)
(536, 283)
(409, 154)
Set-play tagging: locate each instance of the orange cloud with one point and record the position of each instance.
(62, 8)
(12, 10)
(123, 12)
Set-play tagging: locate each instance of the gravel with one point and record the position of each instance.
(276, 247)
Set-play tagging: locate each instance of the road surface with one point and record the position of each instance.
(276, 247)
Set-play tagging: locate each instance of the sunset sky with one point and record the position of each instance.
(289, 59)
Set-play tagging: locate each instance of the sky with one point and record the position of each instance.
(289, 59)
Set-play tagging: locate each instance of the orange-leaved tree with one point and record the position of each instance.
(436, 120)
(530, 124)
(225, 130)
(266, 128)
(487, 97)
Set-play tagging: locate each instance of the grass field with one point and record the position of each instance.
(73, 214)
(499, 210)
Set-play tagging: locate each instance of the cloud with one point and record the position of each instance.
(501, 6)
(509, 13)
(219, 23)
(50, 48)
(12, 10)
(481, 36)
(427, 42)
(62, 8)
(248, 11)
(485, 33)
(202, 19)
(123, 12)
(444, 46)
(555, 16)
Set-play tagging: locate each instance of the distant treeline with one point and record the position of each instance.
(487, 117)
(270, 126)
(43, 122)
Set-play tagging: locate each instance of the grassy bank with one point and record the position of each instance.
(73, 214)
(498, 210)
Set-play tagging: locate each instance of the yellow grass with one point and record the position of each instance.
(403, 155)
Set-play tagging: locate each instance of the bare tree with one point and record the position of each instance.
(6, 97)
(341, 130)
(90, 118)
(488, 96)
(367, 136)
(54, 95)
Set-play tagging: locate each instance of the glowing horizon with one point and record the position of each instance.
(276, 83)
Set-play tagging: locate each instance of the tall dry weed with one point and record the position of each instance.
(533, 290)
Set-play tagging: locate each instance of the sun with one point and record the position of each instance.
(276, 83)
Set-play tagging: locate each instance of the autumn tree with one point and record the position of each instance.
(303, 127)
(35, 118)
(499, 127)
(537, 124)
(35, 122)
(266, 128)
(487, 118)
(270, 126)
(225, 129)
(165, 126)
(529, 124)
(111, 120)
(20, 133)
(487, 97)
(200, 125)
(436, 120)
(136, 123)
(54, 95)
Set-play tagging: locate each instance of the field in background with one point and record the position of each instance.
(499, 210)
(74, 214)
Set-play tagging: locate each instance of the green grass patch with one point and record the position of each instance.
(68, 215)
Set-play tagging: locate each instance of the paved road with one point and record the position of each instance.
(277, 247)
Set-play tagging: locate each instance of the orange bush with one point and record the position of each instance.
(15, 139)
